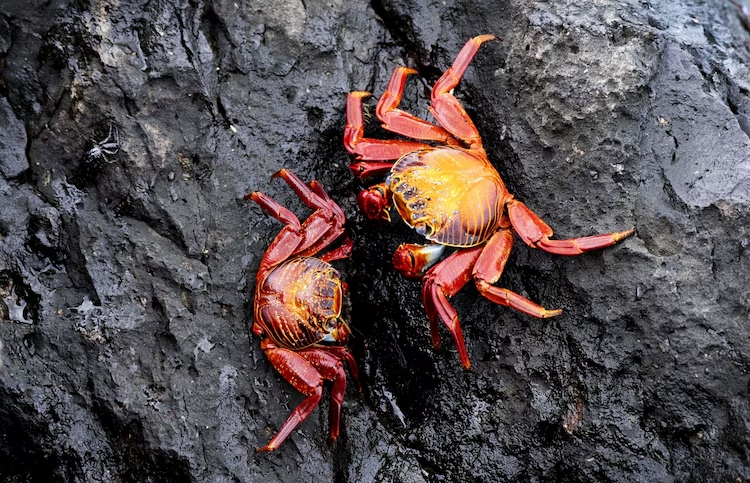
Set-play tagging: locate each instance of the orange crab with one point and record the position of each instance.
(298, 300)
(452, 195)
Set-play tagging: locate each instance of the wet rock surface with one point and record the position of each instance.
(125, 349)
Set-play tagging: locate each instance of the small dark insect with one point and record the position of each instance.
(110, 145)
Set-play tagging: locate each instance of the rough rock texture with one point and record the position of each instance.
(125, 350)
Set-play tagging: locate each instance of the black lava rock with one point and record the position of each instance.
(132, 358)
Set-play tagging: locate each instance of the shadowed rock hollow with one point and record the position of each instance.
(125, 350)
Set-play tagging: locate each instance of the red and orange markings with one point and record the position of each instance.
(452, 195)
(298, 303)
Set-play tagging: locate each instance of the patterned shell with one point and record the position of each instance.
(449, 195)
(299, 303)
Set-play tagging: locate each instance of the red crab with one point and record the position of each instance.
(452, 195)
(298, 301)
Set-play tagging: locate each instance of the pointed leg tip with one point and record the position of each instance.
(280, 173)
(463, 356)
(552, 313)
(624, 234)
(251, 196)
(264, 449)
(359, 94)
(485, 38)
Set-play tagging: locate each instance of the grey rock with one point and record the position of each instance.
(12, 142)
(138, 363)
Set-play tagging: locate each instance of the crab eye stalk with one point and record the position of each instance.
(342, 331)
(374, 202)
(424, 229)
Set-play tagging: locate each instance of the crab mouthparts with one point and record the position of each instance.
(374, 202)
(339, 334)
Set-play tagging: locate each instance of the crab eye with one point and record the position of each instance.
(424, 229)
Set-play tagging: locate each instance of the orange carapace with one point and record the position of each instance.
(443, 185)
(298, 300)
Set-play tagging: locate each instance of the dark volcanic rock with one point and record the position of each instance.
(128, 355)
(12, 143)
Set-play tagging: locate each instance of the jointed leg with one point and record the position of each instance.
(337, 399)
(322, 227)
(302, 375)
(308, 196)
(340, 252)
(445, 107)
(488, 269)
(535, 233)
(330, 368)
(366, 148)
(401, 122)
(344, 354)
(274, 209)
(305, 371)
(288, 239)
(302, 239)
(317, 187)
(442, 281)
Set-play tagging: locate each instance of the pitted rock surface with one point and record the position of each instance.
(135, 273)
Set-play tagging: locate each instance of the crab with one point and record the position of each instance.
(298, 301)
(109, 145)
(452, 195)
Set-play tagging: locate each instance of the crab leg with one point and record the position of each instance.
(345, 249)
(330, 368)
(319, 233)
(286, 242)
(308, 196)
(401, 122)
(303, 376)
(305, 371)
(488, 269)
(373, 168)
(274, 209)
(317, 187)
(442, 281)
(445, 107)
(535, 233)
(322, 227)
(344, 354)
(366, 148)
(304, 239)
(338, 253)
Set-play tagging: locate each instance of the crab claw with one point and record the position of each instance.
(374, 202)
(412, 261)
